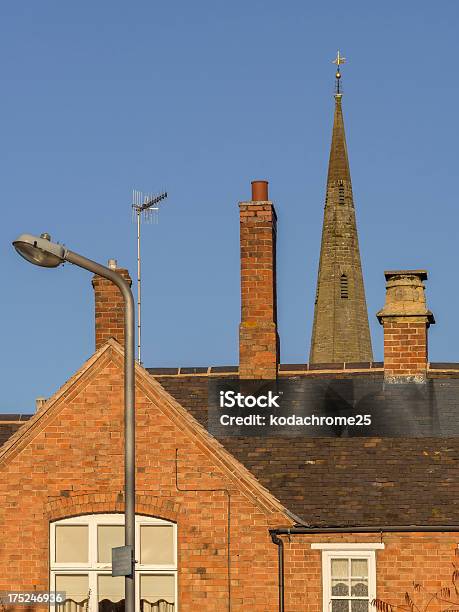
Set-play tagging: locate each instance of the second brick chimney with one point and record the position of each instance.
(405, 319)
(109, 307)
(258, 339)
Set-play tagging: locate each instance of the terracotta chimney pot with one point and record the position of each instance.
(260, 191)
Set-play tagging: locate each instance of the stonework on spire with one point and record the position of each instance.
(338, 166)
(341, 331)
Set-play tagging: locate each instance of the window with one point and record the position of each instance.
(341, 193)
(349, 576)
(80, 561)
(344, 287)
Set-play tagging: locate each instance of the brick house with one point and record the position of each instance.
(242, 523)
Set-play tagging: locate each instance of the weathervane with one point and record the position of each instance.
(338, 61)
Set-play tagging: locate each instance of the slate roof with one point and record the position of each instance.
(342, 481)
(10, 423)
(345, 482)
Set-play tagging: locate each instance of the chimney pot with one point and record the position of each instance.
(260, 191)
(112, 263)
(39, 403)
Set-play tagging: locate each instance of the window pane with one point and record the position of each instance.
(110, 593)
(359, 567)
(157, 593)
(359, 588)
(340, 605)
(340, 588)
(76, 592)
(71, 544)
(157, 544)
(359, 605)
(108, 536)
(339, 568)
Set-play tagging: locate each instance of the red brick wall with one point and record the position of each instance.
(109, 309)
(405, 347)
(425, 558)
(74, 465)
(258, 340)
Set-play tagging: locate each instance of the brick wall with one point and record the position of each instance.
(424, 558)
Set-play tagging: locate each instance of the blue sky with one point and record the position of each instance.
(200, 98)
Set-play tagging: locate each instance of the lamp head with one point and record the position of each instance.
(40, 250)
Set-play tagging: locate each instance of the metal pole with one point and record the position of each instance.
(129, 409)
(138, 288)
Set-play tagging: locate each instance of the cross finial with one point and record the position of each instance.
(338, 61)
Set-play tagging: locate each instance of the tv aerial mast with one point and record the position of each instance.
(145, 206)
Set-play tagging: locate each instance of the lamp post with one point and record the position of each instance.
(42, 252)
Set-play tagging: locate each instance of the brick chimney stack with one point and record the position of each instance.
(109, 307)
(405, 319)
(258, 339)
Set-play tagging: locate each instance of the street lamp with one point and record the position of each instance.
(40, 251)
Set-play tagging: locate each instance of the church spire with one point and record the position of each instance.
(340, 331)
(338, 166)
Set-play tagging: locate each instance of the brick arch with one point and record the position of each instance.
(100, 503)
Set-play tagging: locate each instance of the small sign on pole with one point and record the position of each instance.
(122, 561)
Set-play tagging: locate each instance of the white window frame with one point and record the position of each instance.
(346, 551)
(93, 569)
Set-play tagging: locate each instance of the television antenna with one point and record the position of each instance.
(146, 206)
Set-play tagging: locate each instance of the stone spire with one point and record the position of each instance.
(341, 332)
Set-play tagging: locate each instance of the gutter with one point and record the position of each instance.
(303, 530)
